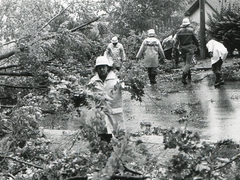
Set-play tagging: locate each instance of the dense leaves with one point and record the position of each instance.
(139, 15)
(226, 27)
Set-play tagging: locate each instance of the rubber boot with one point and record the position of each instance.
(217, 81)
(221, 81)
(184, 75)
(152, 79)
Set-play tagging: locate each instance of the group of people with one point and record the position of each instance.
(185, 44)
(151, 51)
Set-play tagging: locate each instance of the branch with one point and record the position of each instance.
(115, 177)
(53, 18)
(30, 164)
(5, 106)
(14, 41)
(15, 74)
(24, 87)
(9, 175)
(78, 178)
(130, 170)
(81, 26)
(10, 66)
(229, 162)
(7, 55)
(197, 80)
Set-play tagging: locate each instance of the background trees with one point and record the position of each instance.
(141, 15)
(226, 27)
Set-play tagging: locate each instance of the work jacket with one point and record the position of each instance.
(113, 107)
(185, 40)
(218, 50)
(150, 50)
(115, 54)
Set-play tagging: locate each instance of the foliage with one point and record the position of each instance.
(226, 27)
(196, 159)
(141, 15)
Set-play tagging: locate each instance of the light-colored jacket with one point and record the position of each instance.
(115, 54)
(218, 50)
(114, 111)
(150, 50)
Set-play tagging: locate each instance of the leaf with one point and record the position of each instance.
(202, 167)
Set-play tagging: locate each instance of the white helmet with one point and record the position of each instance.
(114, 39)
(185, 22)
(102, 60)
(151, 32)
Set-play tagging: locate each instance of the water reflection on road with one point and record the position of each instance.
(222, 107)
(219, 109)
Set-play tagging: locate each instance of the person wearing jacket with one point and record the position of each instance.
(150, 50)
(187, 43)
(104, 83)
(115, 53)
(218, 53)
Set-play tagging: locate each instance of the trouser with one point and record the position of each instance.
(117, 64)
(187, 59)
(152, 72)
(216, 68)
(187, 53)
(177, 58)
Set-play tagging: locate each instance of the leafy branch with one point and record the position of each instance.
(23, 162)
(229, 161)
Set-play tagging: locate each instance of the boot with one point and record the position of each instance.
(184, 75)
(221, 81)
(189, 76)
(152, 79)
(217, 81)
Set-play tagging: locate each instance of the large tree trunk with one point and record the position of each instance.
(7, 55)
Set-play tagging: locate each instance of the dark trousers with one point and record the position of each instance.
(216, 68)
(152, 72)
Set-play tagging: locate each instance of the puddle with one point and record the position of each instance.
(214, 113)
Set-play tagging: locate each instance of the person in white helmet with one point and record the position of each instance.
(115, 53)
(186, 42)
(150, 50)
(104, 84)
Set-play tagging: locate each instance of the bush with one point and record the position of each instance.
(226, 27)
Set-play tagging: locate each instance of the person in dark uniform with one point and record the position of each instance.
(187, 43)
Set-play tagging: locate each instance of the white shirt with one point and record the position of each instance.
(218, 50)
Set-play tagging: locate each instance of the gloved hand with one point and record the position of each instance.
(211, 54)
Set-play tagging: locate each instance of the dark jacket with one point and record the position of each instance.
(184, 39)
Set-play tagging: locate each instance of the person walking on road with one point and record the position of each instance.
(187, 43)
(115, 53)
(150, 50)
(218, 53)
(104, 84)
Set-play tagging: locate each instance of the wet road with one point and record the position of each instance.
(213, 112)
